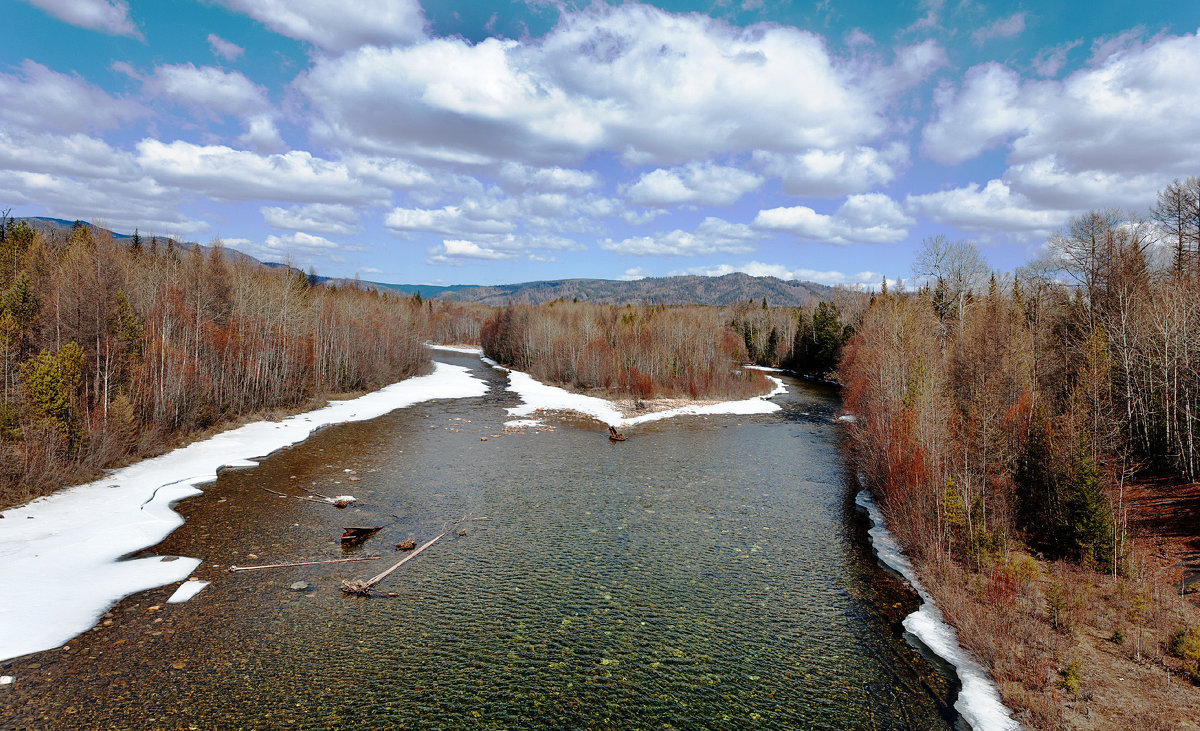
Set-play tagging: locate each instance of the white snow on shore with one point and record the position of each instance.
(186, 590)
(466, 350)
(537, 395)
(978, 700)
(59, 555)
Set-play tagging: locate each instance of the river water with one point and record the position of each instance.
(710, 572)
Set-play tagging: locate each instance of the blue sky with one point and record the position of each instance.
(450, 142)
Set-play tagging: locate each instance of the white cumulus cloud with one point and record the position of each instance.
(326, 218)
(702, 183)
(224, 173)
(40, 99)
(867, 218)
(990, 208)
(1111, 133)
(339, 26)
(106, 16)
(712, 236)
(208, 88)
(631, 80)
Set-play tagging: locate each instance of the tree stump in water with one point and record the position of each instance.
(355, 534)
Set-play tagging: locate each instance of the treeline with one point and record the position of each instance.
(656, 350)
(645, 351)
(111, 350)
(991, 410)
(807, 340)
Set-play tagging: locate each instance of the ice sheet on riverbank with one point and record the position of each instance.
(537, 395)
(978, 699)
(59, 567)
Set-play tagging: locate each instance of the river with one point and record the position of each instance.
(710, 572)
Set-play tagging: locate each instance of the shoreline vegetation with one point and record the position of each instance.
(637, 355)
(1029, 439)
(113, 351)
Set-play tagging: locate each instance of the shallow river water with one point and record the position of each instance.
(706, 573)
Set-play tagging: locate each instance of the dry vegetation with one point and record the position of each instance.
(656, 351)
(111, 350)
(1003, 423)
(645, 351)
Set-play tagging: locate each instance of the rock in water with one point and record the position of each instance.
(299, 586)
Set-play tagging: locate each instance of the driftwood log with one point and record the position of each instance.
(363, 588)
(302, 563)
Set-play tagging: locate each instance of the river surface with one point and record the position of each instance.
(710, 572)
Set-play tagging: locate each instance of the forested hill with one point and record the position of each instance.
(692, 290)
(53, 226)
(681, 290)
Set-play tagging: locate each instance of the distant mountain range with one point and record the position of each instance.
(680, 290)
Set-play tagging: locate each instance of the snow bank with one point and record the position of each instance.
(456, 349)
(186, 590)
(765, 369)
(537, 395)
(60, 566)
(978, 700)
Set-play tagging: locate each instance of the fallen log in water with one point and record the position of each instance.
(302, 563)
(363, 588)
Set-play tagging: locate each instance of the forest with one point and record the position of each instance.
(1004, 417)
(115, 350)
(653, 351)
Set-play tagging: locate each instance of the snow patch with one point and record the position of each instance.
(540, 396)
(765, 369)
(60, 556)
(186, 590)
(522, 423)
(488, 361)
(978, 700)
(456, 349)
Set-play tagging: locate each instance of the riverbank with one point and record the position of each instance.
(61, 556)
(618, 411)
(1068, 647)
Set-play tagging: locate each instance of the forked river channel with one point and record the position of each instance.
(710, 572)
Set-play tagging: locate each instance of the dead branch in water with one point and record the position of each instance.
(302, 563)
(296, 497)
(363, 588)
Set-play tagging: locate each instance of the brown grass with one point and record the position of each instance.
(1006, 618)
